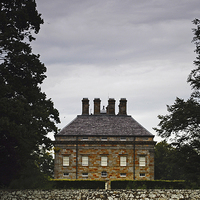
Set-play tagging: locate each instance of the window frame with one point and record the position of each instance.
(122, 138)
(142, 161)
(123, 163)
(142, 174)
(104, 174)
(65, 161)
(104, 163)
(122, 174)
(86, 161)
(85, 138)
(85, 175)
(104, 139)
(66, 174)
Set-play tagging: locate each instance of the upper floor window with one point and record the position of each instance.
(85, 138)
(65, 160)
(122, 160)
(142, 161)
(104, 161)
(84, 160)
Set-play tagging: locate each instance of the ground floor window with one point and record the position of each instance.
(142, 174)
(84, 175)
(66, 174)
(123, 174)
(104, 174)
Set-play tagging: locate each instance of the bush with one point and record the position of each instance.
(146, 184)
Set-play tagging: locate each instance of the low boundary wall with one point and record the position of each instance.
(85, 194)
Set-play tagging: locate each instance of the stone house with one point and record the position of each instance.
(104, 146)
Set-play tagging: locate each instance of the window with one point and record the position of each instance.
(141, 161)
(66, 174)
(103, 174)
(85, 175)
(122, 161)
(65, 160)
(104, 138)
(104, 160)
(123, 174)
(84, 160)
(85, 138)
(123, 138)
(142, 174)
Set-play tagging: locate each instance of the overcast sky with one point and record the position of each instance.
(138, 50)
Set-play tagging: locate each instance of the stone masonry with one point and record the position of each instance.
(104, 146)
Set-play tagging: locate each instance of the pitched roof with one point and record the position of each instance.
(103, 124)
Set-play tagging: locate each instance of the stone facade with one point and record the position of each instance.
(101, 194)
(104, 146)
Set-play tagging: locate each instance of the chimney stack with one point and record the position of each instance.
(122, 106)
(85, 106)
(111, 106)
(97, 103)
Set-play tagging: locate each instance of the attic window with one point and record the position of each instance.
(123, 138)
(85, 138)
(104, 139)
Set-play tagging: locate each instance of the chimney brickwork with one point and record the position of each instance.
(122, 106)
(111, 106)
(85, 106)
(97, 103)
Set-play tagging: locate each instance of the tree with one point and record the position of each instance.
(166, 166)
(26, 115)
(183, 120)
(176, 163)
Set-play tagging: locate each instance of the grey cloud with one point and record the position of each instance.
(140, 50)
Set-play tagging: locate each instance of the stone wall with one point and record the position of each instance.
(100, 194)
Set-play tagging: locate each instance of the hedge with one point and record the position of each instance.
(146, 184)
(77, 184)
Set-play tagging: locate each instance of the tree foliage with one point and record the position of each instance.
(182, 123)
(176, 163)
(26, 115)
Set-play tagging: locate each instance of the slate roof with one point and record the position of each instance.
(103, 124)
